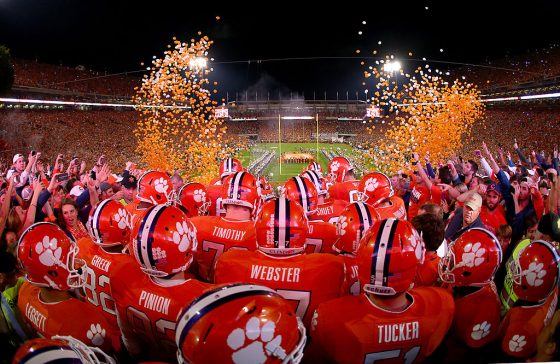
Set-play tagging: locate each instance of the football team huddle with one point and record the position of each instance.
(325, 269)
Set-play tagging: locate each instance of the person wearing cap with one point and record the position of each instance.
(20, 169)
(492, 213)
(465, 218)
(129, 186)
(105, 191)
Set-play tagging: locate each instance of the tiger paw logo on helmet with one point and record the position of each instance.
(254, 344)
(161, 185)
(341, 225)
(517, 343)
(473, 255)
(199, 195)
(481, 330)
(334, 166)
(371, 184)
(49, 251)
(122, 218)
(183, 236)
(416, 242)
(534, 273)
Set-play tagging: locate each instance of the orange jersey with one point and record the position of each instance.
(427, 274)
(101, 266)
(70, 317)
(214, 194)
(477, 317)
(329, 211)
(147, 309)
(320, 238)
(522, 324)
(420, 195)
(305, 279)
(392, 208)
(347, 191)
(352, 284)
(217, 235)
(492, 220)
(353, 330)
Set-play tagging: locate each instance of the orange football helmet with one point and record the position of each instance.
(248, 323)
(59, 349)
(376, 187)
(533, 270)
(302, 191)
(109, 224)
(242, 189)
(230, 166)
(388, 257)
(48, 257)
(192, 196)
(314, 166)
(319, 182)
(351, 226)
(472, 259)
(155, 187)
(281, 227)
(339, 168)
(164, 241)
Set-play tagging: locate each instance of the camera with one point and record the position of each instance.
(62, 177)
(33, 152)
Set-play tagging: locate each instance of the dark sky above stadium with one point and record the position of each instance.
(117, 36)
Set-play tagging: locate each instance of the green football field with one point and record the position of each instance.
(278, 174)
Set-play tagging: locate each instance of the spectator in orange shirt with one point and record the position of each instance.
(492, 213)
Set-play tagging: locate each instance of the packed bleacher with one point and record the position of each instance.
(45, 76)
(401, 264)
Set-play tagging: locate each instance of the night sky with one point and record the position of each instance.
(117, 36)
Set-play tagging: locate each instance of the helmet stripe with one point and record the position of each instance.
(388, 252)
(211, 300)
(95, 220)
(144, 242)
(303, 193)
(52, 354)
(364, 217)
(235, 184)
(280, 223)
(380, 258)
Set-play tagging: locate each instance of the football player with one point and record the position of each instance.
(236, 230)
(109, 228)
(193, 197)
(353, 223)
(329, 209)
(279, 263)
(150, 292)
(389, 321)
(529, 297)
(240, 323)
(52, 269)
(154, 187)
(345, 186)
(228, 167)
(376, 189)
(469, 267)
(321, 235)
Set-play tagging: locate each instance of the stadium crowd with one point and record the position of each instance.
(41, 75)
(445, 261)
(460, 232)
